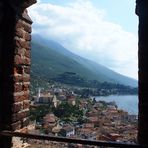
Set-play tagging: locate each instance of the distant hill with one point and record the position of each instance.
(50, 60)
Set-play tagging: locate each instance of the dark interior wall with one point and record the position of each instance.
(1, 20)
(142, 11)
(6, 60)
(8, 51)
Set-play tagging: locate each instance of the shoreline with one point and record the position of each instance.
(128, 103)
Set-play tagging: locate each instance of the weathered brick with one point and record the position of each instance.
(27, 61)
(20, 51)
(26, 104)
(27, 36)
(26, 78)
(20, 43)
(20, 115)
(17, 107)
(18, 93)
(17, 78)
(16, 126)
(20, 98)
(27, 69)
(27, 27)
(20, 32)
(22, 60)
(19, 24)
(18, 60)
(26, 17)
(18, 87)
(21, 78)
(18, 70)
(26, 87)
(28, 54)
(22, 24)
(25, 122)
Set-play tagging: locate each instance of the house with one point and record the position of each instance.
(87, 133)
(43, 98)
(94, 120)
(55, 101)
(114, 136)
(89, 125)
(71, 99)
(49, 121)
(56, 129)
(61, 97)
(67, 131)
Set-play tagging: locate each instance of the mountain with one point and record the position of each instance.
(50, 60)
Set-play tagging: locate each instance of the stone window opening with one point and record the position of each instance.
(15, 36)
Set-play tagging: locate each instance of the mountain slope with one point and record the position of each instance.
(50, 59)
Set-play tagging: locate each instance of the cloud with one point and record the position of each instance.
(82, 28)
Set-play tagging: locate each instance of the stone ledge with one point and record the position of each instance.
(26, 17)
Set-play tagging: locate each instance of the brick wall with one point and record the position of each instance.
(16, 71)
(21, 72)
(15, 46)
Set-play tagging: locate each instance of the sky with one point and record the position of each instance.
(104, 31)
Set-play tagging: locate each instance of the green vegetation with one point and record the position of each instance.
(51, 61)
(39, 112)
(69, 113)
(66, 112)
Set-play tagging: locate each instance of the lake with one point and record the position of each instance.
(128, 103)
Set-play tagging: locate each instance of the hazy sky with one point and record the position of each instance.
(101, 30)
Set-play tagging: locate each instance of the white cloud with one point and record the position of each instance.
(82, 28)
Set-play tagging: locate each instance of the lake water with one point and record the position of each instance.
(128, 103)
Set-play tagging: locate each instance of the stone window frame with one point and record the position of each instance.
(13, 115)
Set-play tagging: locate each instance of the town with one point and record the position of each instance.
(61, 112)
